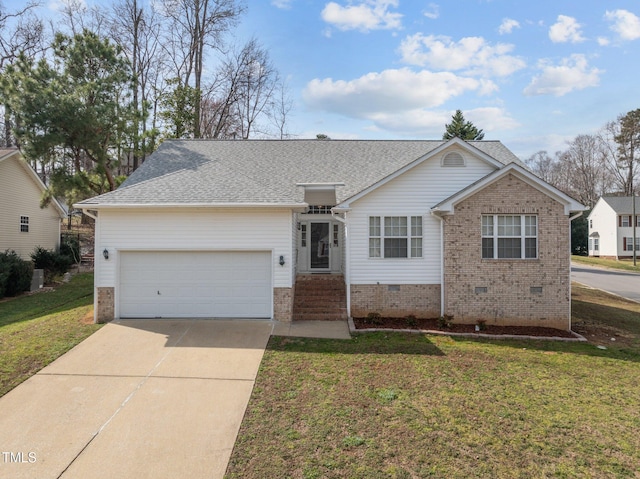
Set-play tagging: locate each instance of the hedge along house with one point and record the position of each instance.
(255, 229)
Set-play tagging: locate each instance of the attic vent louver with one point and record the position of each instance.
(453, 159)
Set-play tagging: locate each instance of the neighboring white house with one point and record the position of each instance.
(611, 227)
(23, 224)
(228, 229)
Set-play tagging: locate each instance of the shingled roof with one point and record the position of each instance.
(202, 172)
(622, 204)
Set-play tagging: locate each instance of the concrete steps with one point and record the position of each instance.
(320, 298)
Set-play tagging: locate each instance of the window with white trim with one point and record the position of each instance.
(395, 237)
(24, 224)
(596, 244)
(628, 244)
(509, 236)
(625, 221)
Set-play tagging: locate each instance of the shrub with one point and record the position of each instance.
(53, 263)
(445, 321)
(15, 274)
(70, 247)
(412, 321)
(374, 318)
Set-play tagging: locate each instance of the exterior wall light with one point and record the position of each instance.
(281, 260)
(105, 253)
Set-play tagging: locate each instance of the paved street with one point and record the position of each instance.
(621, 283)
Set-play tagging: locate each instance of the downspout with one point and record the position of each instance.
(90, 215)
(435, 215)
(347, 256)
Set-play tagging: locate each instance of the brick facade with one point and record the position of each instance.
(105, 305)
(396, 301)
(531, 292)
(283, 304)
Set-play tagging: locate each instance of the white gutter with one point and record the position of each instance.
(90, 215)
(435, 215)
(96, 206)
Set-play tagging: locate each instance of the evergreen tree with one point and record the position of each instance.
(74, 112)
(465, 130)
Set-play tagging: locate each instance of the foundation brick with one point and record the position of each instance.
(283, 304)
(395, 301)
(105, 305)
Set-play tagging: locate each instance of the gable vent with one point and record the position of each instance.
(453, 159)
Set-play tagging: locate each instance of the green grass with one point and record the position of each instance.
(391, 405)
(625, 265)
(37, 329)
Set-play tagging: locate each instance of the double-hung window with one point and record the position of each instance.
(509, 236)
(395, 236)
(24, 224)
(628, 244)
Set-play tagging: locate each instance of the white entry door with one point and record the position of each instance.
(195, 284)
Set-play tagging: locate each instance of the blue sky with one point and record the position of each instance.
(531, 74)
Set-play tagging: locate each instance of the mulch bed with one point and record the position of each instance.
(433, 325)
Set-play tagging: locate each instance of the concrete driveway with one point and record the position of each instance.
(137, 399)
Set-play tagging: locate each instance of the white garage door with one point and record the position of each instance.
(160, 284)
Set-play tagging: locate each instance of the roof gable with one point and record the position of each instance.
(457, 142)
(448, 206)
(621, 204)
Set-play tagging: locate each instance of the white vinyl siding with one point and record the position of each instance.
(197, 229)
(20, 199)
(413, 193)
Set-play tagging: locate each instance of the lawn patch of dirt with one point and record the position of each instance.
(432, 324)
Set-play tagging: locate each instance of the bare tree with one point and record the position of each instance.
(586, 158)
(136, 30)
(20, 32)
(197, 25)
(257, 83)
(281, 107)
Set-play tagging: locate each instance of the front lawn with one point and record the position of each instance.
(389, 405)
(36, 329)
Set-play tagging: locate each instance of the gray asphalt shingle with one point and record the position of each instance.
(267, 171)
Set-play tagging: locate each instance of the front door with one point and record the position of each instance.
(320, 246)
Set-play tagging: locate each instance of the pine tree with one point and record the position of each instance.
(465, 130)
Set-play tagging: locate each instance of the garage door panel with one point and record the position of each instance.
(195, 284)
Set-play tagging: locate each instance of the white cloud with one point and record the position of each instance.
(431, 123)
(571, 74)
(283, 4)
(603, 41)
(389, 92)
(625, 24)
(507, 26)
(566, 29)
(433, 12)
(473, 55)
(366, 16)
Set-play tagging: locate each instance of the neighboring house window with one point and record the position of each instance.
(596, 244)
(590, 244)
(509, 236)
(628, 244)
(24, 224)
(625, 221)
(590, 223)
(395, 236)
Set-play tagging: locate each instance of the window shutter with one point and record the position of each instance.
(624, 243)
(619, 221)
